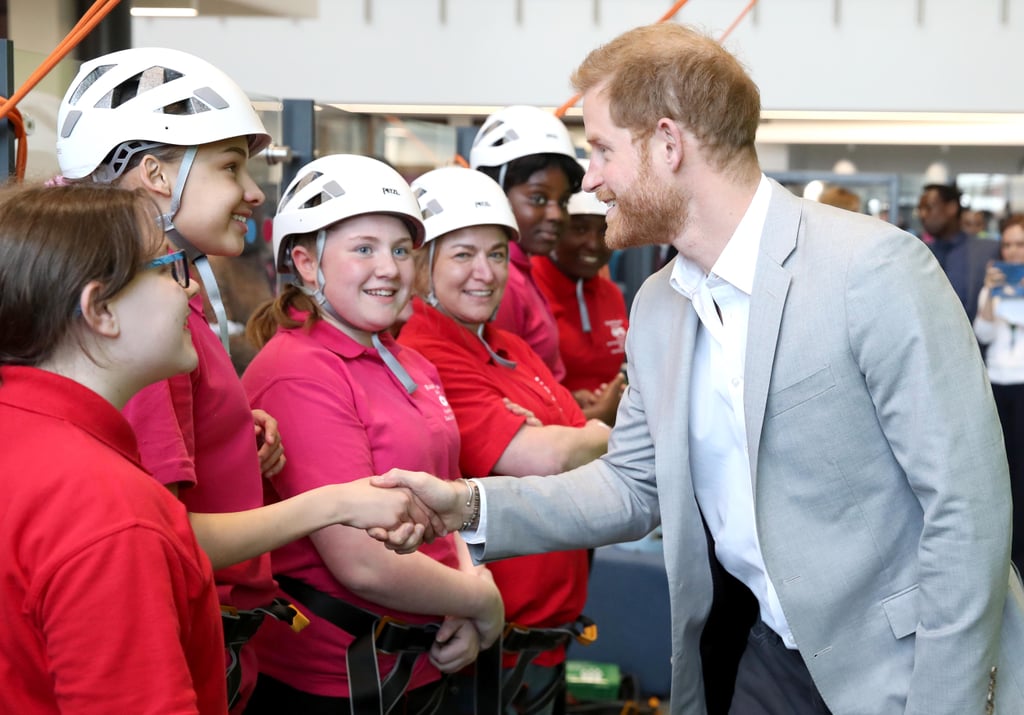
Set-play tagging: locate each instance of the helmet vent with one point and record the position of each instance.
(138, 84)
(69, 123)
(433, 208)
(210, 97)
(87, 82)
(488, 131)
(332, 190)
(509, 136)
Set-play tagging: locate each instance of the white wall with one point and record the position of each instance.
(880, 56)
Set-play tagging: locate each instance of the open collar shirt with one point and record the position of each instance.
(719, 461)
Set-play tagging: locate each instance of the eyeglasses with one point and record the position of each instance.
(179, 266)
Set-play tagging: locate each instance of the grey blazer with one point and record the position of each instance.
(880, 481)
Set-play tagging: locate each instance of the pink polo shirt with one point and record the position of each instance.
(344, 416)
(196, 430)
(524, 311)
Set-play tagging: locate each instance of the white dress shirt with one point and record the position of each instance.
(719, 461)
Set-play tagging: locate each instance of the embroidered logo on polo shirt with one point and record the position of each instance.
(442, 400)
(618, 332)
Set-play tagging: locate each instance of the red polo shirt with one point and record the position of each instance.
(594, 358)
(106, 600)
(197, 430)
(524, 311)
(546, 589)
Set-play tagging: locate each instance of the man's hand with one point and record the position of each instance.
(444, 503)
(268, 442)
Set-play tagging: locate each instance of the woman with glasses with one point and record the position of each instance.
(108, 605)
(178, 129)
(529, 153)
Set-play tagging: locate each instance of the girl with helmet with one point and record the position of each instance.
(529, 153)
(77, 637)
(588, 308)
(176, 128)
(352, 402)
(461, 275)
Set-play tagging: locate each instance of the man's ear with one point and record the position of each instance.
(99, 315)
(670, 143)
(154, 175)
(305, 263)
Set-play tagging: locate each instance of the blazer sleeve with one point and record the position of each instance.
(610, 500)
(923, 369)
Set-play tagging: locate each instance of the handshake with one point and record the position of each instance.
(404, 509)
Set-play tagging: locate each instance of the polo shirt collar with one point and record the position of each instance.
(46, 393)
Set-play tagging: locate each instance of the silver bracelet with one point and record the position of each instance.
(473, 504)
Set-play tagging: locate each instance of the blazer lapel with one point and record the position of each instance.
(771, 284)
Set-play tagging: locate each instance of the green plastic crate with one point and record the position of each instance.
(589, 681)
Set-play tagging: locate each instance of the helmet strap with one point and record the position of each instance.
(584, 313)
(321, 282)
(504, 362)
(167, 219)
(202, 264)
(393, 365)
(431, 295)
(501, 176)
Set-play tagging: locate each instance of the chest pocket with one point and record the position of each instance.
(800, 392)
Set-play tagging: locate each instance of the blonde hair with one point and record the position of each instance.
(841, 197)
(668, 70)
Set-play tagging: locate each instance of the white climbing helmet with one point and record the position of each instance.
(453, 197)
(337, 187)
(518, 131)
(585, 203)
(146, 97)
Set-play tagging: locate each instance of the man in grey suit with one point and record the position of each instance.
(802, 385)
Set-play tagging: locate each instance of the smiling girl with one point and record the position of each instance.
(177, 129)
(353, 403)
(93, 552)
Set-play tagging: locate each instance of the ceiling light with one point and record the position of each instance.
(165, 8)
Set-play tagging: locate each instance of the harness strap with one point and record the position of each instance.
(241, 626)
(369, 693)
(531, 642)
(488, 685)
(202, 264)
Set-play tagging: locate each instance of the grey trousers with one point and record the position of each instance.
(773, 680)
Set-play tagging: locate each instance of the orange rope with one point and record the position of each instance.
(8, 107)
(670, 13)
(739, 18)
(571, 102)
